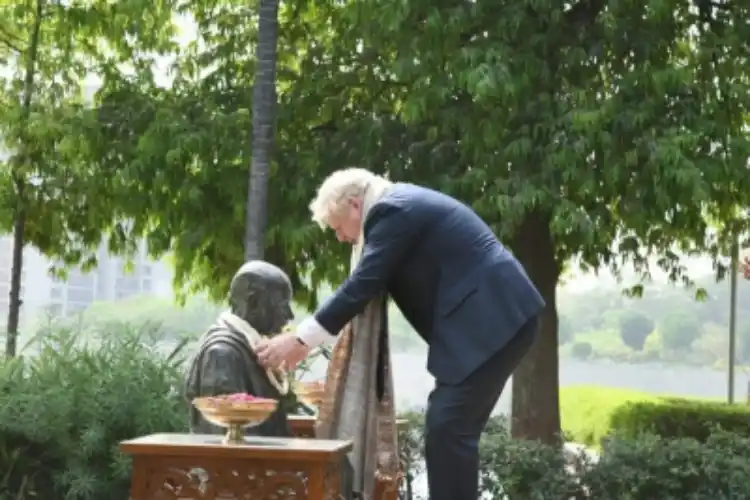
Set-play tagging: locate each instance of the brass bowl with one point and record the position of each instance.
(311, 393)
(235, 416)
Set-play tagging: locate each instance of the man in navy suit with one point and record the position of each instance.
(463, 292)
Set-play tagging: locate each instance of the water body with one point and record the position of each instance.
(413, 383)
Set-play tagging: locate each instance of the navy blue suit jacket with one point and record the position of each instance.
(457, 285)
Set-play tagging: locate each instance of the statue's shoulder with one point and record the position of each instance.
(220, 340)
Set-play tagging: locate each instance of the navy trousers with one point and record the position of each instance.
(457, 414)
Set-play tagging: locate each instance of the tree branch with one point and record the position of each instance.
(584, 13)
(7, 38)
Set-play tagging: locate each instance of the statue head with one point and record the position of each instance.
(261, 294)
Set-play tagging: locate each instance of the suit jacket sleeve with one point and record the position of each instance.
(389, 233)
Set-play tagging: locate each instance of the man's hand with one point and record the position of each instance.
(282, 351)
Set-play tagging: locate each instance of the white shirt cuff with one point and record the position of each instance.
(313, 334)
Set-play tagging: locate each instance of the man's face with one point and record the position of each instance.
(347, 223)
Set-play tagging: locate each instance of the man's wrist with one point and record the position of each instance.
(312, 334)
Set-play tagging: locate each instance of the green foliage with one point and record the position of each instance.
(570, 96)
(581, 350)
(643, 468)
(606, 132)
(50, 194)
(64, 411)
(678, 331)
(167, 319)
(183, 151)
(673, 417)
(590, 414)
(72, 396)
(411, 451)
(48, 50)
(635, 329)
(712, 347)
(591, 309)
(586, 411)
(652, 467)
(596, 317)
(524, 469)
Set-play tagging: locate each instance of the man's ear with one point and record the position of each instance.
(354, 203)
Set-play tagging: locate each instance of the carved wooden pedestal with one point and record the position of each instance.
(196, 466)
(303, 426)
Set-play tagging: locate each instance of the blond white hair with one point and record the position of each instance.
(339, 186)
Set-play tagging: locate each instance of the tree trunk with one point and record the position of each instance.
(14, 310)
(536, 386)
(264, 104)
(19, 217)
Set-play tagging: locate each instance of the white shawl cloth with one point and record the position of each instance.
(277, 378)
(351, 409)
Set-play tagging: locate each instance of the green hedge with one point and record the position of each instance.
(589, 414)
(674, 418)
(646, 468)
(64, 411)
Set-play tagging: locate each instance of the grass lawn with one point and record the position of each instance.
(585, 410)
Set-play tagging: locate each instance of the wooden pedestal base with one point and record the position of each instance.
(193, 466)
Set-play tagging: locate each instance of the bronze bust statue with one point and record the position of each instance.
(260, 298)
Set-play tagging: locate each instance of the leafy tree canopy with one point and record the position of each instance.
(48, 48)
(605, 131)
(560, 133)
(635, 329)
(679, 330)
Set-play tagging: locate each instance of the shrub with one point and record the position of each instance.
(582, 350)
(674, 418)
(524, 470)
(645, 468)
(679, 330)
(411, 452)
(64, 411)
(651, 467)
(635, 328)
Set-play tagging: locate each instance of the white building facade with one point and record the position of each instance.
(110, 281)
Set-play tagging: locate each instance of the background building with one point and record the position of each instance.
(110, 281)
